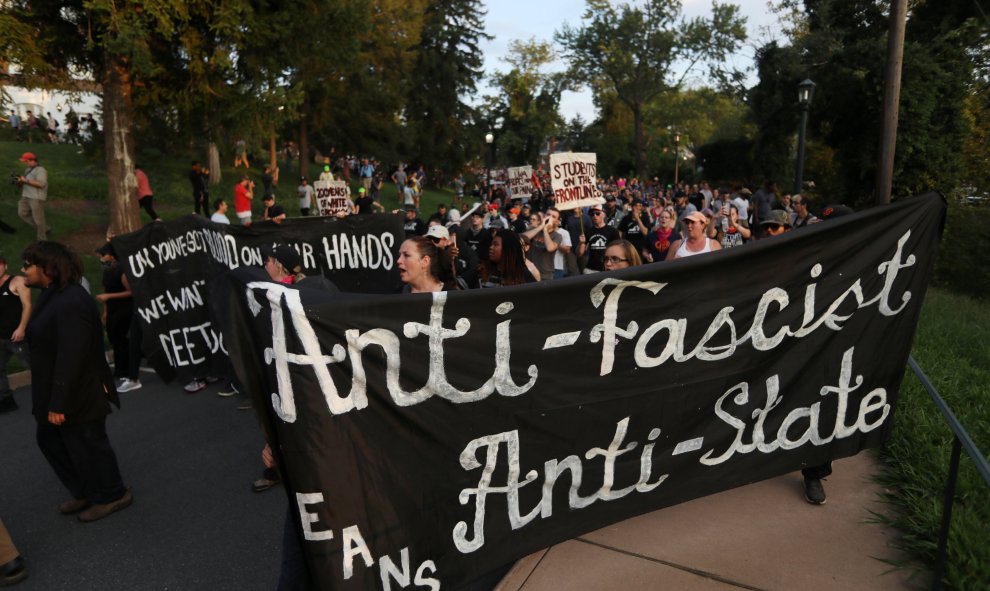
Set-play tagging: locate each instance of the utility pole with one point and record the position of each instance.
(891, 101)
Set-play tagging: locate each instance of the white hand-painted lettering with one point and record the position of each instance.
(874, 403)
(552, 470)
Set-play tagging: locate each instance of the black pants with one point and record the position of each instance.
(82, 459)
(819, 472)
(199, 201)
(118, 327)
(134, 348)
(146, 204)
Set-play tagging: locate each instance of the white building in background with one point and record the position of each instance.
(58, 103)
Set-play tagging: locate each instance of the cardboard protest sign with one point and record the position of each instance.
(332, 197)
(429, 439)
(170, 263)
(520, 181)
(573, 179)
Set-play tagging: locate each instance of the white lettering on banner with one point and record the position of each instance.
(608, 332)
(552, 470)
(354, 546)
(190, 345)
(875, 400)
(359, 252)
(647, 352)
(872, 411)
(437, 384)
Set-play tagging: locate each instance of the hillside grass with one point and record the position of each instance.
(951, 347)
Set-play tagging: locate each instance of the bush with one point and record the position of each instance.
(963, 265)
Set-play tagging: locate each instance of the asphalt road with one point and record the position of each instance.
(194, 524)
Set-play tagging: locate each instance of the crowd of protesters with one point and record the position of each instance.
(487, 238)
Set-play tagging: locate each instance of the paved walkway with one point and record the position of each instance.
(760, 537)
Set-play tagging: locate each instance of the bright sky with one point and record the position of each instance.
(508, 20)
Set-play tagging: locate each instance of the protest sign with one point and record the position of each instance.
(332, 197)
(429, 439)
(574, 180)
(169, 264)
(520, 181)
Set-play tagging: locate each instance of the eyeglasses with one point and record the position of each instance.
(26, 266)
(614, 260)
(773, 227)
(597, 213)
(435, 239)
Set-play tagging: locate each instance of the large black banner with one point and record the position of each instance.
(169, 264)
(429, 439)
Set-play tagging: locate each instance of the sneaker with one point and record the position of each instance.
(7, 404)
(127, 385)
(194, 386)
(814, 492)
(227, 391)
(120, 383)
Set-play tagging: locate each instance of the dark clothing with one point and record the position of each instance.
(632, 232)
(70, 374)
(119, 314)
(273, 212)
(10, 309)
(480, 241)
(596, 239)
(81, 455)
(819, 472)
(198, 182)
(146, 203)
(467, 268)
(414, 227)
(763, 202)
(658, 243)
(268, 181)
(364, 206)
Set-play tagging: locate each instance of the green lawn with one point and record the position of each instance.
(951, 347)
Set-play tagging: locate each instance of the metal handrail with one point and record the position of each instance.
(961, 440)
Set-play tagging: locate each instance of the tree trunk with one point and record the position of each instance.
(303, 147)
(213, 157)
(639, 140)
(119, 146)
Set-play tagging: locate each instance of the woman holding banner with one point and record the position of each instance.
(419, 266)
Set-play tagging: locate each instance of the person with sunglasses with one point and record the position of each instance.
(777, 223)
(72, 385)
(595, 240)
(458, 267)
(696, 239)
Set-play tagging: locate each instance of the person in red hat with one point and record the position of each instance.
(34, 192)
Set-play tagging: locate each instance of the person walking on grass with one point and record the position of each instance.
(34, 193)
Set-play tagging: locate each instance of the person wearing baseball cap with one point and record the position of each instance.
(34, 192)
(457, 266)
(696, 240)
(776, 223)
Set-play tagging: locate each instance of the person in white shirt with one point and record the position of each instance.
(305, 191)
(219, 212)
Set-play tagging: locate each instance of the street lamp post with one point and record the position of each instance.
(490, 157)
(806, 91)
(677, 156)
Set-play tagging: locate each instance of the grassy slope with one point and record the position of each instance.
(951, 346)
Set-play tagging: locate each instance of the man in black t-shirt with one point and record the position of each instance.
(595, 239)
(636, 225)
(364, 204)
(477, 236)
(413, 226)
(273, 211)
